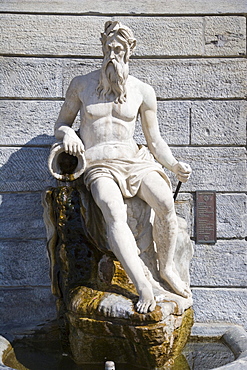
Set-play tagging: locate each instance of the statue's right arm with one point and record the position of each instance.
(156, 144)
(63, 127)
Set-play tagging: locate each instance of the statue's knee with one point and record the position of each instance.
(166, 207)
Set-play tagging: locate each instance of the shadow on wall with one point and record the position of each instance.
(25, 169)
(23, 258)
(24, 175)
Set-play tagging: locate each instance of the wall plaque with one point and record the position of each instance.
(206, 217)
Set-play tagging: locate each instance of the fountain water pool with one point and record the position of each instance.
(210, 346)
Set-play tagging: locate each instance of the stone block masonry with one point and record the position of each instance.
(194, 55)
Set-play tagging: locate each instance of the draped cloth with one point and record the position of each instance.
(127, 173)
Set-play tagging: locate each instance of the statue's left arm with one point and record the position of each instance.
(155, 142)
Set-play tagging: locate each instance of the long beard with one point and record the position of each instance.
(113, 80)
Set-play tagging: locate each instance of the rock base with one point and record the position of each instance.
(104, 326)
(96, 299)
(150, 345)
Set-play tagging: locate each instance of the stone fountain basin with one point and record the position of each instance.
(234, 337)
(228, 341)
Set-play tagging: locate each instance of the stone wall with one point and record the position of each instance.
(194, 54)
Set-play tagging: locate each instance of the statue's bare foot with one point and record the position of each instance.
(178, 285)
(146, 302)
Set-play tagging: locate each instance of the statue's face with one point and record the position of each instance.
(115, 49)
(115, 69)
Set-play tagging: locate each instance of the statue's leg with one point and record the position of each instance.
(156, 192)
(108, 197)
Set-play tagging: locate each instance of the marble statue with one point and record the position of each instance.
(119, 255)
(115, 167)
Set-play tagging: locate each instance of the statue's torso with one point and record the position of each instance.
(107, 128)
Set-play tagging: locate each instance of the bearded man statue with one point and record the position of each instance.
(117, 169)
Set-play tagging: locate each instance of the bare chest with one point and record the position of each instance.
(94, 108)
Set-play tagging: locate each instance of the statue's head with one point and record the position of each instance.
(120, 33)
(118, 43)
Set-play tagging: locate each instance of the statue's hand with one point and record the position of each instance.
(73, 144)
(182, 171)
